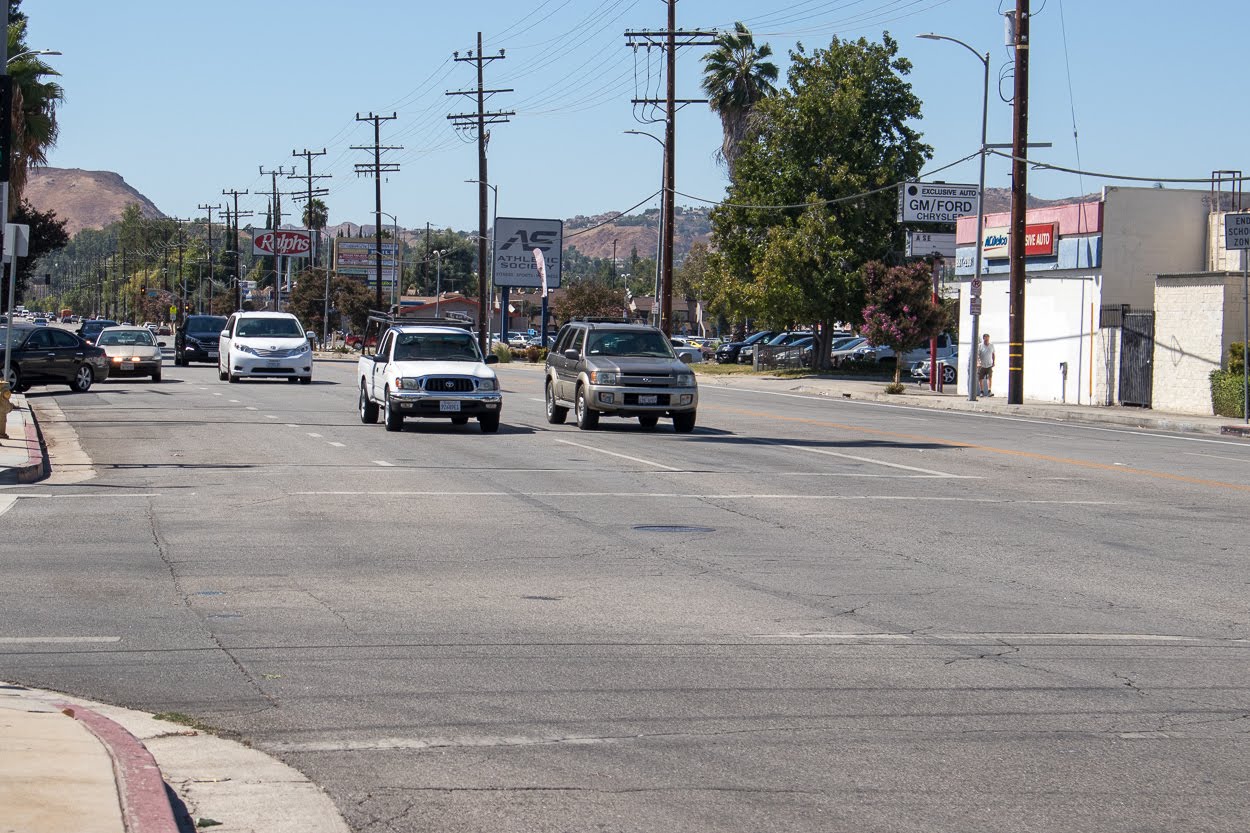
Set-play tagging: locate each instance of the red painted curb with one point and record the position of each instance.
(145, 807)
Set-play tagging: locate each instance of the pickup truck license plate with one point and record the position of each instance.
(449, 405)
(128, 366)
(648, 399)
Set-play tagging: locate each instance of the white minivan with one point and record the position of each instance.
(264, 345)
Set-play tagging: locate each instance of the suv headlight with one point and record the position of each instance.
(487, 384)
(603, 377)
(685, 380)
(408, 383)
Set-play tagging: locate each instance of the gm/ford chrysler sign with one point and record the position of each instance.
(931, 202)
(515, 242)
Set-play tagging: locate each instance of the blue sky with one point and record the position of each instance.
(184, 99)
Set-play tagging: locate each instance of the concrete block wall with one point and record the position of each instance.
(1189, 340)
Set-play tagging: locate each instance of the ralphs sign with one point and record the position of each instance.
(935, 202)
(516, 240)
(287, 242)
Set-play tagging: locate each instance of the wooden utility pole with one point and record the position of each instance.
(1019, 207)
(276, 221)
(311, 192)
(375, 169)
(478, 121)
(200, 294)
(668, 41)
(238, 275)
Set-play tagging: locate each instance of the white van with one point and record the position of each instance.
(264, 345)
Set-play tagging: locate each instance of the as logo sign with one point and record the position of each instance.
(529, 240)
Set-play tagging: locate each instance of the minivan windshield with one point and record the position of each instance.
(629, 343)
(268, 327)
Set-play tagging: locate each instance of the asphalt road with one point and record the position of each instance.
(808, 615)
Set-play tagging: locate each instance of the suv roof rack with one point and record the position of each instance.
(600, 319)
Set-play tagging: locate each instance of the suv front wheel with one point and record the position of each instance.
(683, 423)
(555, 413)
(587, 419)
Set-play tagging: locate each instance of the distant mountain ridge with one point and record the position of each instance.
(84, 199)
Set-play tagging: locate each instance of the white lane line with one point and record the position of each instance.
(384, 463)
(270, 416)
(291, 425)
(923, 638)
(251, 408)
(203, 388)
(6, 503)
(536, 399)
(899, 466)
(696, 496)
(337, 445)
(235, 401)
(1218, 457)
(311, 434)
(55, 640)
(101, 495)
(218, 394)
(622, 456)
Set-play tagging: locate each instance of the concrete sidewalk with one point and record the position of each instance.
(22, 457)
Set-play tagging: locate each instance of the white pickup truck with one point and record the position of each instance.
(428, 371)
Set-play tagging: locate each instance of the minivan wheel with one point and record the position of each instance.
(83, 377)
(555, 413)
(587, 419)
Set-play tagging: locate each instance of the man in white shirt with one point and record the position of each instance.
(985, 366)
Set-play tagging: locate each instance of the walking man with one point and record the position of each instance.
(985, 366)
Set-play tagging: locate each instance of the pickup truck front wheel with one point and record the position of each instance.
(489, 423)
(394, 419)
(368, 408)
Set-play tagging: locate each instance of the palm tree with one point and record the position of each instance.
(316, 214)
(35, 100)
(736, 77)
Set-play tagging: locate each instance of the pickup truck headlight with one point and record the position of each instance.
(685, 380)
(408, 383)
(487, 384)
(603, 377)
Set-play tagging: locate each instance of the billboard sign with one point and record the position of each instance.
(516, 240)
(925, 243)
(935, 202)
(356, 256)
(1040, 240)
(287, 242)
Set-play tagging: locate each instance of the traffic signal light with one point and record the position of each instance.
(143, 290)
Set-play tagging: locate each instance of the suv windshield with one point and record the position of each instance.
(127, 337)
(205, 323)
(629, 343)
(436, 347)
(273, 327)
(96, 325)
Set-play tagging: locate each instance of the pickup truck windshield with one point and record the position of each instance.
(436, 347)
(629, 343)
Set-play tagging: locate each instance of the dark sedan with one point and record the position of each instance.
(89, 331)
(728, 353)
(48, 355)
(198, 338)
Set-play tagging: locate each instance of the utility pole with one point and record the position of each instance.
(1019, 200)
(311, 192)
(200, 295)
(238, 275)
(376, 169)
(478, 121)
(668, 40)
(277, 223)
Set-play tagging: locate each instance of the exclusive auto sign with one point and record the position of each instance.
(935, 202)
(287, 242)
(515, 242)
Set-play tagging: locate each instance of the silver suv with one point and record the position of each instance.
(623, 370)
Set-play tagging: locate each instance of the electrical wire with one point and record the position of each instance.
(618, 216)
(1047, 166)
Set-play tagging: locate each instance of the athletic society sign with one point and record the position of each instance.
(515, 242)
(932, 202)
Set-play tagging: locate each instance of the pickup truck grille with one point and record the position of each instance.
(449, 384)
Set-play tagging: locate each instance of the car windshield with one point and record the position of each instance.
(129, 338)
(205, 324)
(96, 326)
(848, 343)
(436, 347)
(630, 343)
(272, 327)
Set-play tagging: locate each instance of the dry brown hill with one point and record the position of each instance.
(84, 199)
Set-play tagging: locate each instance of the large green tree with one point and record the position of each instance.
(736, 77)
(817, 169)
(35, 99)
(350, 301)
(590, 299)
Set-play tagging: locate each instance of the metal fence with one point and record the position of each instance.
(782, 357)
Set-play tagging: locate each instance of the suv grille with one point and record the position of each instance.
(449, 384)
(659, 380)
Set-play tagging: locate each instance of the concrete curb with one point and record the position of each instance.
(140, 787)
(36, 466)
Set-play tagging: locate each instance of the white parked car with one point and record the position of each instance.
(264, 345)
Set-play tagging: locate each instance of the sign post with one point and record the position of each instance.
(1237, 237)
(16, 242)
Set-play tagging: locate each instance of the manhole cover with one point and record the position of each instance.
(673, 528)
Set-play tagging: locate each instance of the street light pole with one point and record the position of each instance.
(438, 279)
(659, 241)
(974, 300)
(503, 291)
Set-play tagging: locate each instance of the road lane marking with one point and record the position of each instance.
(622, 456)
(1218, 457)
(336, 445)
(6, 503)
(929, 472)
(1011, 638)
(311, 434)
(377, 744)
(697, 496)
(55, 640)
(235, 401)
(270, 416)
(251, 408)
(113, 495)
(218, 394)
(384, 463)
(291, 425)
(989, 449)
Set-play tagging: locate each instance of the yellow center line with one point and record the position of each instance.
(1012, 452)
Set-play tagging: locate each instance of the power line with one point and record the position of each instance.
(376, 169)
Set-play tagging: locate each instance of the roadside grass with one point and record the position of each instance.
(714, 369)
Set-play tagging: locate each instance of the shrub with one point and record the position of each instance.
(895, 388)
(1227, 394)
(503, 352)
(534, 354)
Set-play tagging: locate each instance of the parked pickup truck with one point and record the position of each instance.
(423, 368)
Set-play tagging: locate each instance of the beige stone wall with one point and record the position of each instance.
(1196, 317)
